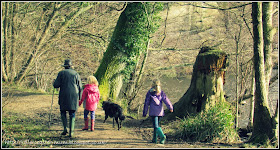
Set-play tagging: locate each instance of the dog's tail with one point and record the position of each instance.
(130, 117)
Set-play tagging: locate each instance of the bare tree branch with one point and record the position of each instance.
(124, 6)
(165, 22)
(215, 7)
(84, 33)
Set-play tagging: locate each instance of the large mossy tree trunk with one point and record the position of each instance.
(263, 124)
(206, 87)
(129, 40)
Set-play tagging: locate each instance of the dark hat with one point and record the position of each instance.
(67, 63)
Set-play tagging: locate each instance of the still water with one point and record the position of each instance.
(174, 88)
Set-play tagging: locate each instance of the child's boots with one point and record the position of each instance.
(92, 124)
(155, 136)
(161, 135)
(86, 124)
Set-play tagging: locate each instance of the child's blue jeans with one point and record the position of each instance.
(92, 114)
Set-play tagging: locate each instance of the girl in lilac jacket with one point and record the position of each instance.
(90, 97)
(154, 103)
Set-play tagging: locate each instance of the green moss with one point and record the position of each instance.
(104, 89)
(128, 42)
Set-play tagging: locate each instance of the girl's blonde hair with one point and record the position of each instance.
(156, 85)
(92, 80)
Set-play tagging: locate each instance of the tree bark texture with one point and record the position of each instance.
(4, 60)
(268, 32)
(129, 40)
(262, 122)
(8, 64)
(207, 82)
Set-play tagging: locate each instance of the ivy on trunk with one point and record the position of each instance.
(129, 40)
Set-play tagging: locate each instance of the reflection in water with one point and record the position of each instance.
(174, 88)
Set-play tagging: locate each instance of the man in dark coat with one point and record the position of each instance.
(70, 85)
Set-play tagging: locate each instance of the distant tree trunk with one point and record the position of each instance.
(262, 123)
(206, 87)
(237, 38)
(13, 40)
(129, 40)
(8, 65)
(4, 60)
(250, 123)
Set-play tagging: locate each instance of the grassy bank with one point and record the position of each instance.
(21, 130)
(214, 125)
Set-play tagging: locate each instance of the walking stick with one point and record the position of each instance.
(51, 110)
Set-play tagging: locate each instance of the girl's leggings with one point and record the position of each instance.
(156, 120)
(92, 114)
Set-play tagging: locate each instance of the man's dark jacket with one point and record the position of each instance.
(70, 85)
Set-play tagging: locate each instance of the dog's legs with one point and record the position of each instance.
(116, 118)
(113, 122)
(106, 116)
(120, 123)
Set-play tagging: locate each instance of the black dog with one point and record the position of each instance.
(114, 111)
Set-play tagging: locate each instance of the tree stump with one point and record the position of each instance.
(206, 87)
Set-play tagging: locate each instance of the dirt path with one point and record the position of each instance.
(131, 135)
